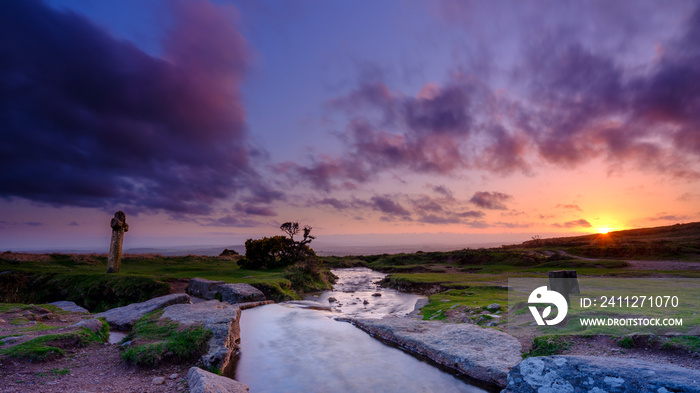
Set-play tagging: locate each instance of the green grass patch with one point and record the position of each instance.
(52, 346)
(686, 343)
(155, 341)
(626, 342)
(548, 346)
(474, 297)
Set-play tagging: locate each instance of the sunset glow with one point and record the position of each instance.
(389, 122)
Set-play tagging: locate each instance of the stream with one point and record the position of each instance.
(299, 347)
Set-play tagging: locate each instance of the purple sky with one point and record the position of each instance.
(445, 121)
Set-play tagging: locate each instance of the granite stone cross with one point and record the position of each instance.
(119, 226)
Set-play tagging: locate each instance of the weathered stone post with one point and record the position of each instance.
(119, 226)
(565, 282)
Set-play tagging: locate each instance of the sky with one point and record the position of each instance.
(374, 122)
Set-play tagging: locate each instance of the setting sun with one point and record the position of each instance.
(603, 230)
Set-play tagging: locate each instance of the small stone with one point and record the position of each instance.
(332, 299)
(365, 302)
(377, 294)
(158, 380)
(493, 307)
(173, 376)
(2, 321)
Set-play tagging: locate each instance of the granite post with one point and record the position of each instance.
(119, 226)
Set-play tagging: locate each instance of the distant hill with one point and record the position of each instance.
(182, 251)
(680, 241)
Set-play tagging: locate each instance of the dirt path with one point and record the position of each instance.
(96, 368)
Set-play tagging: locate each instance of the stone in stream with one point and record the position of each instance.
(206, 289)
(599, 374)
(229, 293)
(201, 381)
(480, 353)
(222, 319)
(240, 293)
(123, 318)
(119, 226)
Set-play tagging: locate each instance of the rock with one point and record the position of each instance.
(365, 302)
(201, 381)
(599, 374)
(240, 293)
(332, 299)
(123, 318)
(2, 321)
(70, 306)
(222, 319)
(247, 305)
(493, 307)
(307, 304)
(93, 324)
(480, 353)
(376, 294)
(173, 376)
(200, 287)
(158, 381)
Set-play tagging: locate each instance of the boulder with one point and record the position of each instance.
(206, 289)
(123, 318)
(70, 306)
(493, 307)
(240, 293)
(93, 324)
(222, 319)
(599, 374)
(201, 381)
(479, 353)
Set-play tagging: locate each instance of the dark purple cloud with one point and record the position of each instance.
(388, 206)
(569, 98)
(490, 200)
(443, 191)
(253, 210)
(89, 120)
(573, 224)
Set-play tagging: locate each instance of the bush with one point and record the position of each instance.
(274, 252)
(310, 275)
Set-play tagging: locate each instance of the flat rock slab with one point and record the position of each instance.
(222, 319)
(70, 306)
(201, 381)
(483, 354)
(569, 374)
(123, 318)
(240, 293)
(206, 289)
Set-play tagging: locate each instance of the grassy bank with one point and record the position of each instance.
(43, 278)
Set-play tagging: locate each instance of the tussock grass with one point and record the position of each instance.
(155, 341)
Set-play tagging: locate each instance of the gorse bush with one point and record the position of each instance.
(278, 251)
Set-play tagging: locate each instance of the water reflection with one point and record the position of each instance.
(291, 349)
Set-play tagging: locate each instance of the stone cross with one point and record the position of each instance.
(119, 226)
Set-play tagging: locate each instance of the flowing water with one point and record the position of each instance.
(292, 347)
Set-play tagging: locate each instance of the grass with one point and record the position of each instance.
(155, 341)
(474, 298)
(51, 346)
(686, 343)
(82, 279)
(547, 346)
